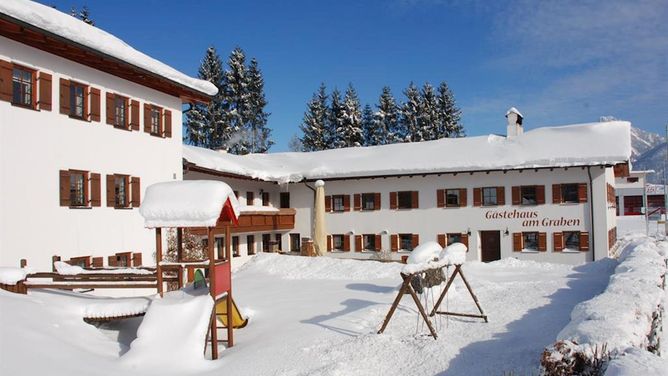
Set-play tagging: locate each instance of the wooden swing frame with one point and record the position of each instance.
(406, 287)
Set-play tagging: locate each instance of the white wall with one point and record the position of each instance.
(35, 145)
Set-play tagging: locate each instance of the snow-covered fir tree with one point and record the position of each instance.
(387, 120)
(449, 115)
(410, 112)
(314, 125)
(259, 140)
(428, 115)
(369, 129)
(206, 125)
(350, 130)
(83, 15)
(334, 121)
(237, 98)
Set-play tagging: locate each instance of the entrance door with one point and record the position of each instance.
(490, 245)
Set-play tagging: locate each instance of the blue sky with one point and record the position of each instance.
(557, 62)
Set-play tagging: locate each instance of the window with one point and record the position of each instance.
(250, 244)
(406, 242)
(22, 87)
(530, 240)
(266, 243)
(235, 246)
(337, 242)
(278, 242)
(220, 248)
(295, 243)
(337, 203)
(369, 242)
(250, 196)
(633, 205)
(489, 197)
(632, 180)
(454, 238)
(285, 200)
(452, 197)
(77, 100)
(121, 192)
(405, 199)
(569, 193)
(156, 123)
(78, 188)
(265, 198)
(120, 112)
(368, 201)
(572, 240)
(528, 195)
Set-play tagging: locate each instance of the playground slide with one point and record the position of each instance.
(221, 312)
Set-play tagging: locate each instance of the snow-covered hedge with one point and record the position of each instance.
(626, 316)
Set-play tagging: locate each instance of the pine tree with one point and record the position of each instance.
(206, 125)
(259, 140)
(236, 96)
(449, 115)
(369, 127)
(410, 112)
(314, 125)
(428, 115)
(350, 129)
(335, 121)
(84, 16)
(387, 119)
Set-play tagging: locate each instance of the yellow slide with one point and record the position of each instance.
(238, 322)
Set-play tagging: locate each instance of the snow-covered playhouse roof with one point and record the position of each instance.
(54, 22)
(192, 203)
(592, 144)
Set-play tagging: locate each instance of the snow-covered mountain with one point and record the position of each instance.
(648, 153)
(643, 141)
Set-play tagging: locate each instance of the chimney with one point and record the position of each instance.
(514, 127)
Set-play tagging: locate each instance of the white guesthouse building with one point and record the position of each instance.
(86, 123)
(545, 195)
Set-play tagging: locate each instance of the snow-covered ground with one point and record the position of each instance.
(320, 316)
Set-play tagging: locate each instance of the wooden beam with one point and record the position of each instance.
(212, 291)
(228, 251)
(158, 258)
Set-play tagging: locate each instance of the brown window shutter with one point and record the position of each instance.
(393, 200)
(346, 202)
(584, 241)
(500, 195)
(111, 196)
(98, 262)
(5, 81)
(465, 240)
(415, 199)
(64, 96)
(329, 243)
(516, 195)
(376, 201)
(136, 259)
(346, 243)
(440, 198)
(147, 118)
(95, 190)
(540, 194)
(556, 194)
(358, 243)
(135, 185)
(328, 203)
(582, 192)
(542, 241)
(357, 201)
(442, 240)
(111, 260)
(394, 242)
(379, 243)
(110, 108)
(94, 104)
(463, 200)
(168, 123)
(134, 115)
(477, 196)
(45, 91)
(558, 238)
(517, 242)
(415, 240)
(64, 188)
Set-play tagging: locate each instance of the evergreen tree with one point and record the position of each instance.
(259, 140)
(350, 129)
(295, 143)
(236, 96)
(206, 125)
(314, 125)
(449, 115)
(84, 16)
(387, 119)
(369, 127)
(335, 122)
(428, 115)
(410, 112)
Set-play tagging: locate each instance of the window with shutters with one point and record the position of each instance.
(250, 244)
(78, 181)
(120, 112)
(528, 195)
(405, 200)
(452, 197)
(530, 241)
(569, 193)
(368, 201)
(337, 242)
(23, 87)
(78, 105)
(489, 196)
(121, 191)
(406, 242)
(572, 240)
(338, 203)
(369, 242)
(454, 238)
(156, 121)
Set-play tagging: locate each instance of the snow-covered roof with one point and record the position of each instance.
(70, 28)
(513, 110)
(590, 144)
(193, 203)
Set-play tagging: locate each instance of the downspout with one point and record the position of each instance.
(591, 213)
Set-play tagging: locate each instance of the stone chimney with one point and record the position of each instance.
(514, 127)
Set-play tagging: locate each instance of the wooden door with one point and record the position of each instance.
(490, 245)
